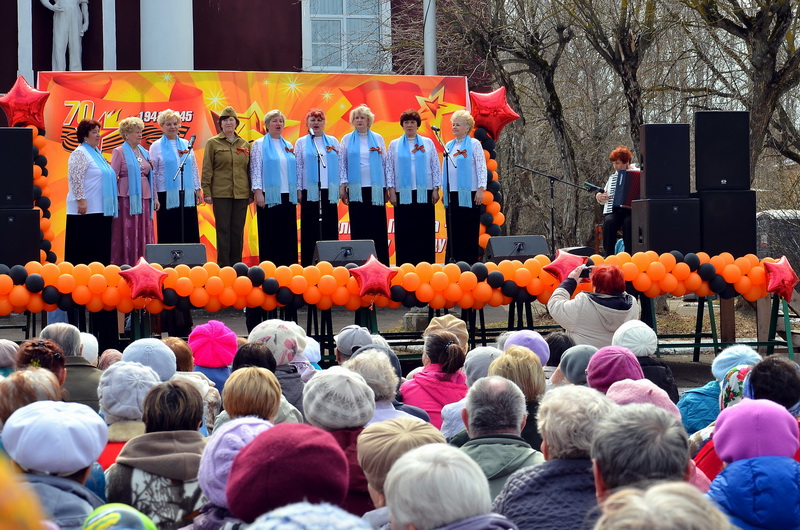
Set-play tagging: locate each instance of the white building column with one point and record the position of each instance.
(167, 35)
(109, 35)
(25, 41)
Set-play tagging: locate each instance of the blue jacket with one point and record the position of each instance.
(699, 406)
(761, 492)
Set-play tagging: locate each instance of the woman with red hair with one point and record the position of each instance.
(592, 318)
(614, 218)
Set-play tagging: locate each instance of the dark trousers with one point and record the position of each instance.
(368, 221)
(414, 232)
(277, 232)
(620, 217)
(463, 234)
(229, 215)
(310, 231)
(169, 222)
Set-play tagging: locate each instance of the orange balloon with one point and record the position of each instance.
(341, 295)
(212, 268)
(533, 266)
(424, 270)
(269, 268)
(704, 258)
(681, 271)
(154, 306)
(703, 290)
(213, 305)
(483, 240)
(184, 286)
(199, 277)
(743, 285)
(183, 270)
(731, 273)
(481, 229)
(81, 295)
(668, 261)
(171, 278)
(630, 271)
(36, 304)
(240, 303)
(324, 303)
(753, 259)
(438, 301)
(653, 291)
(468, 280)
(482, 292)
(110, 296)
(407, 267)
(488, 198)
(693, 282)
(312, 295)
(214, 285)
(352, 286)
(424, 293)
(33, 267)
(327, 284)
(255, 297)
(242, 286)
(270, 303)
(641, 261)
(452, 271)
(497, 298)
(439, 281)
(597, 259)
(679, 291)
(125, 305)
(65, 284)
(613, 260)
(656, 271)
(6, 284)
(466, 301)
(536, 287)
(297, 269)
(499, 218)
(312, 274)
(342, 275)
(757, 275)
(493, 208)
(19, 296)
(81, 273)
(227, 297)
(522, 276)
(284, 275)
(199, 297)
(299, 284)
(491, 164)
(753, 294)
(719, 263)
(50, 273)
(453, 292)
(34, 130)
(623, 257)
(5, 306)
(112, 276)
(411, 282)
(507, 268)
(668, 283)
(397, 279)
(727, 257)
(97, 284)
(743, 264)
(353, 303)
(228, 275)
(324, 267)
(642, 282)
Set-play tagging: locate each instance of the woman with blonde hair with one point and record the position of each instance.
(252, 391)
(363, 181)
(132, 229)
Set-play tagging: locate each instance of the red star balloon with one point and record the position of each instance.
(781, 278)
(491, 111)
(144, 280)
(24, 105)
(564, 264)
(373, 277)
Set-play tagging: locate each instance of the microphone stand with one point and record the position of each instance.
(182, 191)
(553, 200)
(446, 189)
(320, 165)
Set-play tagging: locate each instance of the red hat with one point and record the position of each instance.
(291, 462)
(611, 364)
(213, 344)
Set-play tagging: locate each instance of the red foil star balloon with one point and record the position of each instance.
(24, 105)
(781, 278)
(564, 264)
(373, 277)
(144, 280)
(491, 111)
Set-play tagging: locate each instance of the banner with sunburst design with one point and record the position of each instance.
(199, 96)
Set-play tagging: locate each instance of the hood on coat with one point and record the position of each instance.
(500, 455)
(174, 455)
(66, 502)
(488, 521)
(122, 431)
(612, 310)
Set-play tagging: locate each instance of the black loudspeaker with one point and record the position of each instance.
(340, 253)
(579, 251)
(665, 160)
(664, 225)
(16, 171)
(19, 236)
(171, 254)
(728, 222)
(515, 247)
(722, 150)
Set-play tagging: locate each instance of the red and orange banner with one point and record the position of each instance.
(198, 97)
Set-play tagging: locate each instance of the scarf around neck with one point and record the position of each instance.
(463, 159)
(171, 164)
(271, 171)
(375, 168)
(135, 178)
(312, 176)
(423, 176)
(109, 178)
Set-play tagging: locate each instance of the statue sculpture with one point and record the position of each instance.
(70, 22)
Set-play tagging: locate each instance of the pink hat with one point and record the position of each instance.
(642, 391)
(753, 428)
(611, 364)
(213, 344)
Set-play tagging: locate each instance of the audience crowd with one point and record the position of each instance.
(555, 432)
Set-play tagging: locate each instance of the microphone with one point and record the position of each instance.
(191, 141)
(311, 132)
(434, 128)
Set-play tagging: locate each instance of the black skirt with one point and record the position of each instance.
(277, 232)
(310, 225)
(169, 222)
(415, 232)
(463, 230)
(368, 221)
(88, 239)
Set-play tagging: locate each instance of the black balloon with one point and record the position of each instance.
(487, 218)
(481, 135)
(488, 144)
(729, 292)
(43, 202)
(678, 255)
(51, 256)
(509, 288)
(35, 152)
(480, 271)
(46, 214)
(498, 197)
(241, 269)
(270, 286)
(410, 300)
(183, 304)
(65, 302)
(707, 271)
(495, 279)
(256, 275)
(523, 296)
(18, 274)
(284, 296)
(397, 293)
(717, 283)
(45, 172)
(40, 161)
(170, 297)
(34, 283)
(4, 269)
(493, 186)
(493, 230)
(45, 245)
(350, 266)
(463, 265)
(50, 294)
(37, 192)
(297, 302)
(692, 260)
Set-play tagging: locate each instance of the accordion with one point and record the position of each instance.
(626, 189)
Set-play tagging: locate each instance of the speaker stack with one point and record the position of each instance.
(19, 222)
(666, 217)
(722, 179)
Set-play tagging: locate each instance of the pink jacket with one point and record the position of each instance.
(431, 389)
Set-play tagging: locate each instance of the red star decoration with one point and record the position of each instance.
(491, 111)
(373, 277)
(144, 280)
(564, 264)
(24, 105)
(781, 278)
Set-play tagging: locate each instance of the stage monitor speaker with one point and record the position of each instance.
(722, 150)
(665, 161)
(171, 254)
(19, 236)
(16, 171)
(341, 252)
(728, 222)
(579, 251)
(664, 225)
(515, 247)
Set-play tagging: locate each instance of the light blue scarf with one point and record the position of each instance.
(171, 163)
(423, 175)
(110, 201)
(135, 179)
(331, 160)
(375, 168)
(463, 159)
(271, 171)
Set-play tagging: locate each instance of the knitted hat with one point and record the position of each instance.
(477, 362)
(611, 364)
(307, 516)
(281, 338)
(454, 325)
(753, 428)
(574, 362)
(732, 386)
(117, 515)
(54, 437)
(637, 336)
(8, 353)
(291, 462)
(531, 340)
(642, 391)
(733, 356)
(213, 344)
(351, 338)
(227, 441)
(152, 353)
(122, 389)
(108, 358)
(338, 398)
(90, 348)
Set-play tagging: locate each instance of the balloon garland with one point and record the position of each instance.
(36, 286)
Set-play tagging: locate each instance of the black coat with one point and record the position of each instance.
(659, 373)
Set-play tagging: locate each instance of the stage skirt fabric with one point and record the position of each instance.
(277, 232)
(169, 223)
(131, 233)
(414, 232)
(368, 221)
(463, 234)
(310, 225)
(88, 239)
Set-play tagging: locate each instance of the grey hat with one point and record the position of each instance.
(477, 362)
(574, 362)
(352, 338)
(8, 353)
(122, 389)
(152, 353)
(338, 398)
